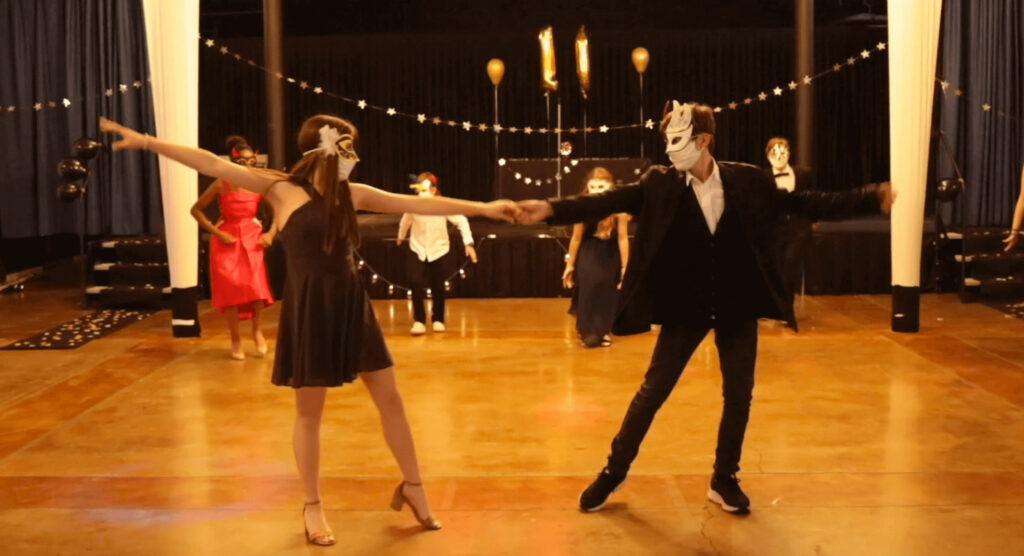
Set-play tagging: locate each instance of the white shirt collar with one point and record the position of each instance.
(711, 178)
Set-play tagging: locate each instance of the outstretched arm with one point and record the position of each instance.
(627, 199)
(202, 161)
(1018, 217)
(372, 199)
(834, 205)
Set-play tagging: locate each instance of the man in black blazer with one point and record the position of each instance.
(701, 260)
(794, 232)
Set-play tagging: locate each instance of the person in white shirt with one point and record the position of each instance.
(429, 246)
(794, 232)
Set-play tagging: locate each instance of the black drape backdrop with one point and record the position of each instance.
(445, 76)
(75, 49)
(983, 55)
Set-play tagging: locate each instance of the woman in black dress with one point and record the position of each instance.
(598, 252)
(329, 334)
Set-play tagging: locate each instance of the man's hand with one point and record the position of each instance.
(1011, 240)
(502, 209)
(886, 197)
(533, 211)
(471, 253)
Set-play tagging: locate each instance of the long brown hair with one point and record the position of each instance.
(341, 215)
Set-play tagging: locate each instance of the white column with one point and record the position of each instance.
(172, 38)
(913, 46)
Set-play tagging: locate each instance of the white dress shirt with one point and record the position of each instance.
(429, 238)
(787, 182)
(710, 196)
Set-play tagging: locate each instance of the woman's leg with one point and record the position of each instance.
(236, 338)
(257, 331)
(309, 406)
(384, 391)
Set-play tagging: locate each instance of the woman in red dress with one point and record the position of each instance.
(238, 276)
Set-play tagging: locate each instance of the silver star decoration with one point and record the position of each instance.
(52, 104)
(361, 104)
(303, 85)
(12, 108)
(603, 129)
(122, 87)
(986, 107)
(573, 130)
(391, 111)
(37, 106)
(880, 46)
(66, 102)
(807, 80)
(209, 42)
(649, 124)
(467, 126)
(762, 96)
(792, 85)
(109, 92)
(318, 90)
(421, 118)
(527, 130)
(733, 105)
(238, 56)
(482, 127)
(865, 54)
(944, 85)
(748, 100)
(251, 62)
(497, 128)
(452, 123)
(718, 109)
(137, 84)
(959, 92)
(291, 80)
(542, 130)
(777, 91)
(851, 60)
(436, 120)
(223, 50)
(837, 67)
(279, 75)
(513, 129)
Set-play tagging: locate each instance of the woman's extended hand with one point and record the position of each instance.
(502, 209)
(1011, 240)
(130, 139)
(567, 277)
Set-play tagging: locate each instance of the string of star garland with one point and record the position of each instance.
(134, 85)
(396, 288)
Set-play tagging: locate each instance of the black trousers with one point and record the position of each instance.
(425, 275)
(737, 350)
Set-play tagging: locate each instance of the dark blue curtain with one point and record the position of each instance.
(74, 49)
(982, 53)
(443, 74)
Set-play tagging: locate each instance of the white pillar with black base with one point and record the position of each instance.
(172, 38)
(913, 47)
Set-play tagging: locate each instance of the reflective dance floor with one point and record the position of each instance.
(861, 441)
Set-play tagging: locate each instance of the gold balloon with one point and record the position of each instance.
(640, 59)
(496, 70)
(583, 60)
(548, 78)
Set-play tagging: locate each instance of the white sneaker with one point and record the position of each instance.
(438, 326)
(418, 329)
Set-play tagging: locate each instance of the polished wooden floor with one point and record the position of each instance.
(861, 441)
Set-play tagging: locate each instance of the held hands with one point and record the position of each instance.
(886, 196)
(471, 253)
(502, 209)
(131, 139)
(533, 211)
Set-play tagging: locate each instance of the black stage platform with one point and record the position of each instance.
(846, 257)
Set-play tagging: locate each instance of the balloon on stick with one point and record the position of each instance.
(640, 59)
(496, 71)
(583, 60)
(549, 78)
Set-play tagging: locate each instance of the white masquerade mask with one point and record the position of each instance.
(680, 143)
(779, 156)
(596, 186)
(337, 144)
(423, 188)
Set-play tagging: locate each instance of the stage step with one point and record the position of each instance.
(984, 240)
(144, 249)
(129, 296)
(991, 273)
(126, 274)
(129, 272)
(992, 265)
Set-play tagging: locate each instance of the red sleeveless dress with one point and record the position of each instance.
(238, 276)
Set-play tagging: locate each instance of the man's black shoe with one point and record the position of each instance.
(595, 495)
(725, 491)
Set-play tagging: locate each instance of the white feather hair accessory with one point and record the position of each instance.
(328, 141)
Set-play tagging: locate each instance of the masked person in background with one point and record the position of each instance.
(430, 261)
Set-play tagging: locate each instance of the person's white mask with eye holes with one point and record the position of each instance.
(680, 143)
(779, 157)
(347, 156)
(598, 185)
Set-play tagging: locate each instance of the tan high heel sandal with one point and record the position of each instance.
(325, 538)
(400, 499)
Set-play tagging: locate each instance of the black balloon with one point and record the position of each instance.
(72, 169)
(69, 192)
(86, 148)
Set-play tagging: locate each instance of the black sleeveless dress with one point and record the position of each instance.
(598, 268)
(328, 332)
